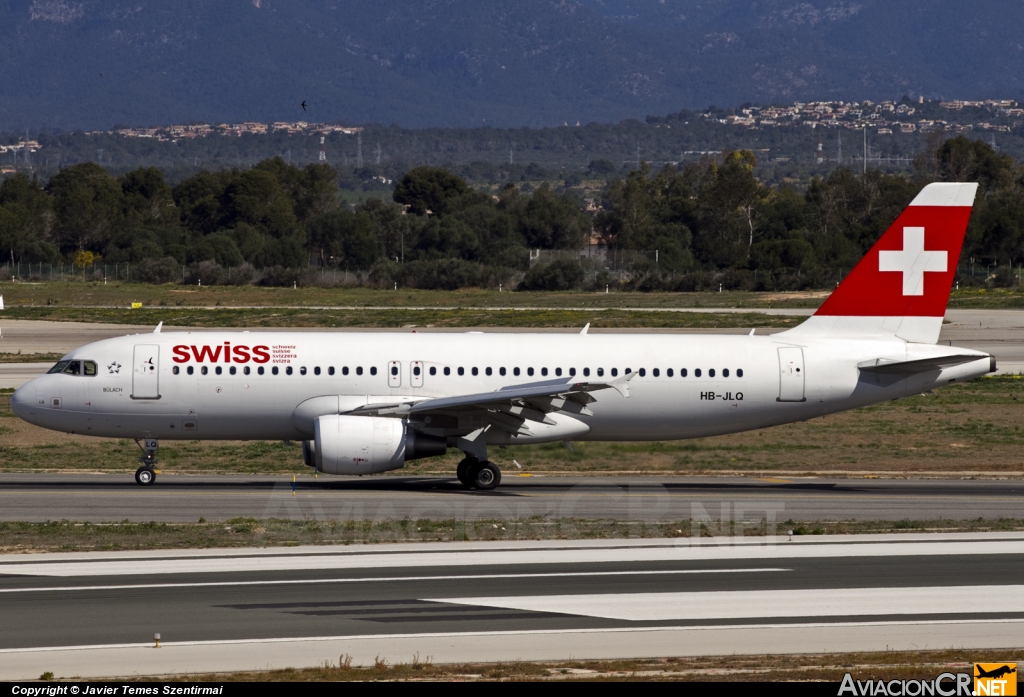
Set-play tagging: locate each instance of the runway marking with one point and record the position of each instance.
(690, 552)
(387, 579)
(522, 632)
(709, 605)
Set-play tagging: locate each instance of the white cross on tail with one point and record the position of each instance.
(912, 261)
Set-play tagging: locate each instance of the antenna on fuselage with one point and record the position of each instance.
(157, 330)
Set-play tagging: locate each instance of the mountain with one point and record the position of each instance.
(71, 64)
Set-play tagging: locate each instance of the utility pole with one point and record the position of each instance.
(377, 156)
(840, 148)
(865, 167)
(359, 149)
(511, 159)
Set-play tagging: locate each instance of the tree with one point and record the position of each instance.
(429, 190)
(88, 206)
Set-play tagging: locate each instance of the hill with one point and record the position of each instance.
(96, 63)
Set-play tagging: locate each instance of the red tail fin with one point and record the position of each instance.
(901, 286)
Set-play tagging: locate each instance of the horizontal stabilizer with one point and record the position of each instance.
(885, 366)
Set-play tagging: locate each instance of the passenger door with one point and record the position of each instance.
(791, 374)
(146, 372)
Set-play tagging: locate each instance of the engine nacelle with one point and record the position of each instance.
(366, 444)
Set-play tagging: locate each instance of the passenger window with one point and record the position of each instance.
(475, 371)
(90, 368)
(515, 371)
(668, 373)
(586, 372)
(274, 370)
(394, 370)
(218, 370)
(288, 370)
(232, 370)
(487, 371)
(447, 371)
(175, 370)
(711, 373)
(73, 368)
(59, 367)
(725, 373)
(572, 372)
(204, 370)
(359, 370)
(302, 370)
(433, 370)
(600, 372)
(696, 372)
(246, 370)
(344, 370)
(615, 372)
(462, 371)
(316, 370)
(654, 372)
(682, 372)
(416, 370)
(558, 372)
(373, 370)
(190, 370)
(501, 371)
(330, 370)
(258, 370)
(628, 371)
(544, 371)
(739, 372)
(529, 371)
(642, 372)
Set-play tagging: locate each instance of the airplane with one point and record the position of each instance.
(364, 403)
(995, 673)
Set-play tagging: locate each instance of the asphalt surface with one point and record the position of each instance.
(181, 498)
(95, 614)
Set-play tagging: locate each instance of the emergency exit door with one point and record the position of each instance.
(394, 374)
(791, 375)
(416, 373)
(146, 372)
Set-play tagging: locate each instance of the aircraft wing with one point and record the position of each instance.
(889, 367)
(510, 406)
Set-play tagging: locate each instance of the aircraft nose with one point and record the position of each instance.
(22, 401)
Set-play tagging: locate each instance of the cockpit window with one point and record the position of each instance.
(59, 368)
(73, 368)
(89, 368)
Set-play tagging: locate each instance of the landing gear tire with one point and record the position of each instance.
(464, 469)
(145, 476)
(485, 476)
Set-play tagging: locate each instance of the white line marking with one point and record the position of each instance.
(385, 579)
(687, 553)
(518, 632)
(810, 602)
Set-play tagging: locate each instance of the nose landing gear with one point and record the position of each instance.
(145, 475)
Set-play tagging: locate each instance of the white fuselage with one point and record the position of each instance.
(154, 386)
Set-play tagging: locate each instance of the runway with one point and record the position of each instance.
(181, 498)
(95, 614)
(999, 332)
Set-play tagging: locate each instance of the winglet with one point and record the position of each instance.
(621, 383)
(585, 328)
(157, 330)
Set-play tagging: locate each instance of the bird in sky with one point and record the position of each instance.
(303, 104)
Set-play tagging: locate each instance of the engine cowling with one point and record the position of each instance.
(366, 444)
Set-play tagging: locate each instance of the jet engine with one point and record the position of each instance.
(366, 444)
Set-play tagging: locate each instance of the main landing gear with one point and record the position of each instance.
(146, 474)
(478, 475)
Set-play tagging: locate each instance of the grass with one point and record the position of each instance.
(399, 317)
(71, 536)
(121, 294)
(887, 665)
(970, 429)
